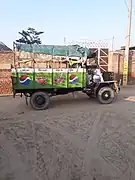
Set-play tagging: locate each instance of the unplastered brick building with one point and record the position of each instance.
(6, 59)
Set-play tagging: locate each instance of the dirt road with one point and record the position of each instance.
(73, 140)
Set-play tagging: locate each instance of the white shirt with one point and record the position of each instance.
(97, 75)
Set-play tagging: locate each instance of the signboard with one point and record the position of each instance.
(125, 73)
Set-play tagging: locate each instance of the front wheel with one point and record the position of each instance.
(105, 95)
(39, 100)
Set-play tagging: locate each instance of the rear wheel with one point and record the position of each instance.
(105, 95)
(39, 100)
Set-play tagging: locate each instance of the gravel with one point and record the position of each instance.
(75, 139)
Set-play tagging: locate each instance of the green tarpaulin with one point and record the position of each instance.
(71, 51)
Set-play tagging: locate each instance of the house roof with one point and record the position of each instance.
(130, 48)
(4, 48)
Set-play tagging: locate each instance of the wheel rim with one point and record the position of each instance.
(106, 95)
(39, 101)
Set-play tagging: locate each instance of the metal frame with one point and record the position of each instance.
(96, 46)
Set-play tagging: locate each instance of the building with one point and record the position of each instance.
(6, 56)
(6, 59)
(116, 63)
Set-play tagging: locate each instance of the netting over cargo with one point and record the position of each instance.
(71, 50)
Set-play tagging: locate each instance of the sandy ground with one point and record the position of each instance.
(75, 139)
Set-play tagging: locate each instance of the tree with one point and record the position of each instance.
(30, 36)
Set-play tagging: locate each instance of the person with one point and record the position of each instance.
(97, 77)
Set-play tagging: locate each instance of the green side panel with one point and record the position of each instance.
(22, 78)
(84, 78)
(31, 78)
(75, 78)
(48, 78)
(14, 74)
(43, 78)
(14, 79)
(60, 78)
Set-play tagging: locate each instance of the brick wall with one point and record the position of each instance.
(6, 59)
(5, 82)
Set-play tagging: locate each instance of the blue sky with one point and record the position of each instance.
(74, 19)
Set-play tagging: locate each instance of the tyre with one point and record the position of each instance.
(39, 100)
(105, 95)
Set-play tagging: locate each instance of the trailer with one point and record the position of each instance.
(74, 72)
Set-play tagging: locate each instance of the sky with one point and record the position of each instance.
(74, 19)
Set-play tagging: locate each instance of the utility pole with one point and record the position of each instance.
(126, 57)
(113, 43)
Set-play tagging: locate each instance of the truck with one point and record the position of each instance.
(67, 70)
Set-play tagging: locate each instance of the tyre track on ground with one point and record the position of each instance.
(73, 140)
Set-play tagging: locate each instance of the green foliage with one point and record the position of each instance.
(30, 36)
